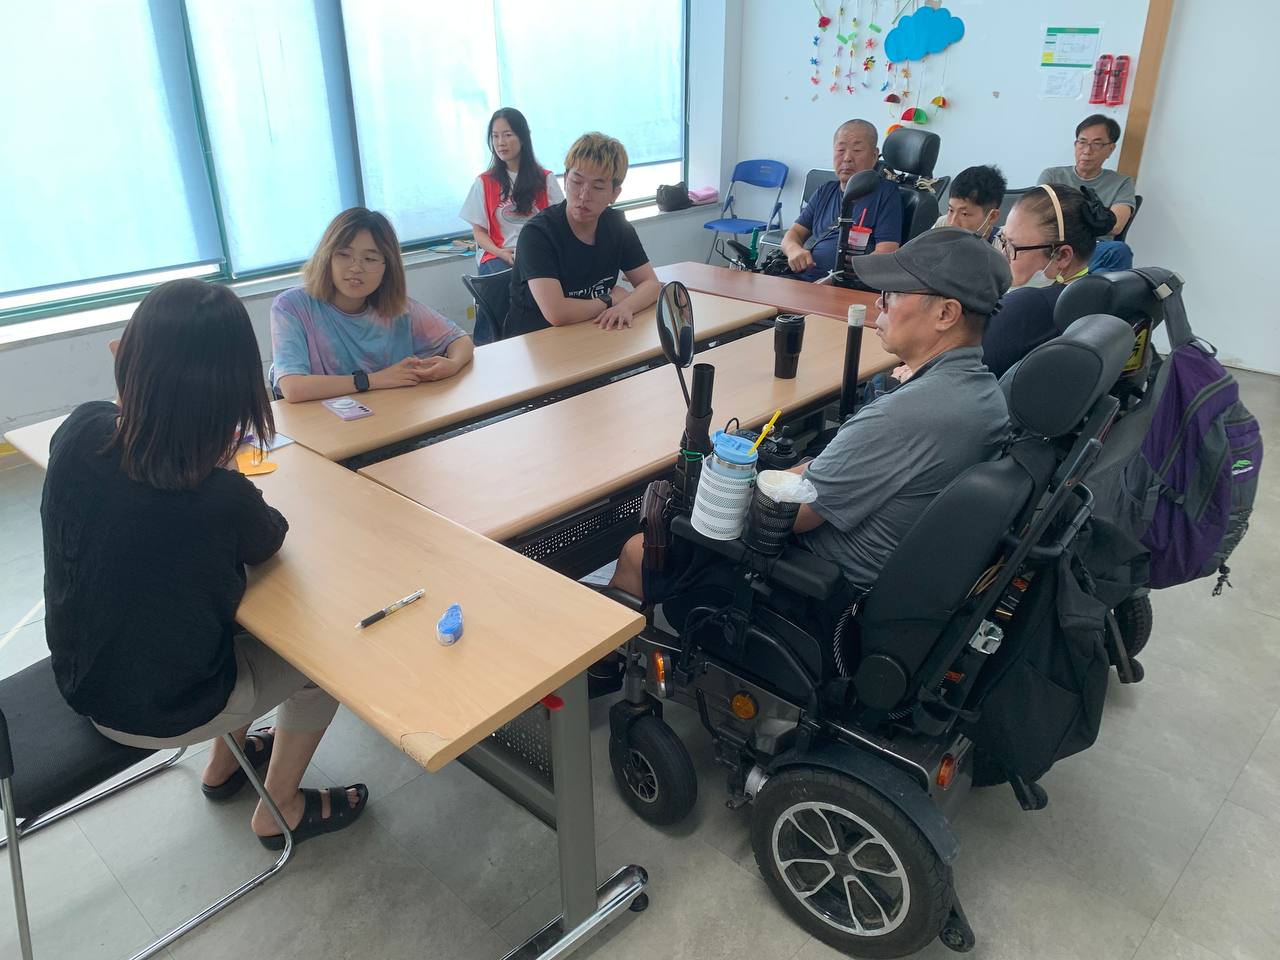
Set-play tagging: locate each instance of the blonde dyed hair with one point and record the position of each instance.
(597, 153)
(391, 299)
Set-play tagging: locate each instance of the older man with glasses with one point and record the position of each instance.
(1096, 138)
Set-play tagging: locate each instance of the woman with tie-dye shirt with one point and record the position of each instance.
(351, 327)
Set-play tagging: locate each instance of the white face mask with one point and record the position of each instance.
(1040, 279)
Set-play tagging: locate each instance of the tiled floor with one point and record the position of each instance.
(1160, 843)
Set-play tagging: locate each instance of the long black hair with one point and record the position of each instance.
(190, 381)
(529, 178)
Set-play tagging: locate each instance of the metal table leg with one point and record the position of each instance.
(586, 908)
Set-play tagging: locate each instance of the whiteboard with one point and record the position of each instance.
(992, 81)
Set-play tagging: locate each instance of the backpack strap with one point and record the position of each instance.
(1167, 286)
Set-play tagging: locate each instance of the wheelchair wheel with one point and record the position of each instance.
(654, 772)
(849, 866)
(1134, 618)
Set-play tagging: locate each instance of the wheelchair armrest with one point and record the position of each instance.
(628, 600)
(796, 569)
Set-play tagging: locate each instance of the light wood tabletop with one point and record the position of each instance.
(352, 548)
(33, 441)
(507, 478)
(789, 296)
(502, 375)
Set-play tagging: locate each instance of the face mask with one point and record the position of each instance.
(1040, 279)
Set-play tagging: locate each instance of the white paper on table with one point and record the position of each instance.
(1057, 83)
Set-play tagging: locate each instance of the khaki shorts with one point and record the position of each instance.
(264, 680)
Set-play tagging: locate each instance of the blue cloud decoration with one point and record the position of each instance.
(928, 30)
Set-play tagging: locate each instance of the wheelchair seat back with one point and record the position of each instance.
(940, 563)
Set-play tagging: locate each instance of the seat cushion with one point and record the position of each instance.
(57, 754)
(734, 225)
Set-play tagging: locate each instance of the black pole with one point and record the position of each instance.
(852, 359)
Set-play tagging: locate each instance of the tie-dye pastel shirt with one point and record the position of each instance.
(310, 336)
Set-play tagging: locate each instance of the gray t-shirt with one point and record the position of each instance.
(895, 455)
(1111, 186)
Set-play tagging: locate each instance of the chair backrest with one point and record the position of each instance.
(912, 151)
(492, 294)
(911, 155)
(759, 173)
(813, 180)
(1011, 196)
(934, 569)
(1124, 294)
(1137, 205)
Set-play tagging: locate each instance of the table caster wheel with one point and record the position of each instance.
(640, 903)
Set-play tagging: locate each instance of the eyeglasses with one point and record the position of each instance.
(346, 257)
(1011, 249)
(1082, 144)
(883, 302)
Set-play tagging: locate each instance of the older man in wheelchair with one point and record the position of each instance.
(928, 615)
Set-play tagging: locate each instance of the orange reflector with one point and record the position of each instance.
(659, 667)
(946, 771)
(743, 706)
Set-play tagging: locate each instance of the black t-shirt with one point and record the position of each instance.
(1023, 321)
(547, 248)
(141, 585)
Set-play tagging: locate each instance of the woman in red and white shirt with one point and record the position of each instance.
(507, 195)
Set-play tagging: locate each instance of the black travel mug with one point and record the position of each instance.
(788, 337)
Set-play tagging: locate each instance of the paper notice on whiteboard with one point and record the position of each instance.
(1070, 47)
(1061, 84)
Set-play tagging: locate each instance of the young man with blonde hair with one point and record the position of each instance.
(569, 255)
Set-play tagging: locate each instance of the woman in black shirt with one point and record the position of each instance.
(147, 529)
(1049, 239)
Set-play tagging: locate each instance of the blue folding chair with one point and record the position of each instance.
(756, 173)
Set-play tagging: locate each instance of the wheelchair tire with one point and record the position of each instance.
(1134, 617)
(807, 828)
(654, 772)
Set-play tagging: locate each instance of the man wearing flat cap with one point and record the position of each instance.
(891, 458)
(888, 461)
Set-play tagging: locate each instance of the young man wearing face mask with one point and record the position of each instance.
(1048, 240)
(973, 201)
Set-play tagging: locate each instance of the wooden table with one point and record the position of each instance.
(354, 546)
(508, 478)
(503, 375)
(789, 296)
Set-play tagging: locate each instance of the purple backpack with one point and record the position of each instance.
(1197, 476)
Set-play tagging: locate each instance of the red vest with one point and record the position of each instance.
(494, 206)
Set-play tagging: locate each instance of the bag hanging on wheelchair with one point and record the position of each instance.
(1040, 699)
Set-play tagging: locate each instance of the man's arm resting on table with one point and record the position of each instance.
(792, 247)
(559, 310)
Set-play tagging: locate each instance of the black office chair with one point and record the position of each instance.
(54, 762)
(1011, 196)
(492, 294)
(909, 156)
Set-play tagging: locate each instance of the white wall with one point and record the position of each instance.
(991, 80)
(50, 377)
(1202, 132)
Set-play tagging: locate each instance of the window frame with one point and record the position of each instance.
(221, 271)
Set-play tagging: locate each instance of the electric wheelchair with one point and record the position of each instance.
(847, 723)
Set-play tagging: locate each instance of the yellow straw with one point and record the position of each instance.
(765, 432)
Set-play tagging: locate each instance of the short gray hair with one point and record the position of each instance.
(864, 127)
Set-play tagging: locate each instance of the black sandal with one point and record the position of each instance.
(259, 757)
(313, 824)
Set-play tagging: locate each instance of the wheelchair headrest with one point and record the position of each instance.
(912, 151)
(1054, 387)
(1125, 294)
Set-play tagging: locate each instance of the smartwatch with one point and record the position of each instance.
(362, 380)
(608, 300)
